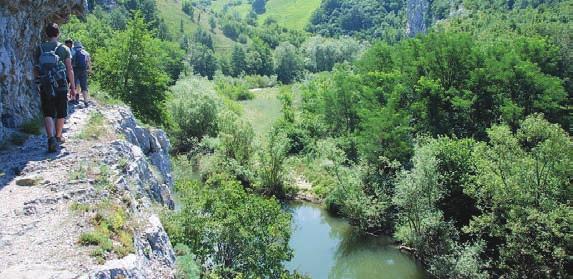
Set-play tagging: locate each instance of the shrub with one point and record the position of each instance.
(258, 81)
(271, 170)
(233, 232)
(193, 108)
(234, 89)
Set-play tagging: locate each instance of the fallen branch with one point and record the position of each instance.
(407, 249)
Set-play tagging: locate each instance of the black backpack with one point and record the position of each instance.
(52, 72)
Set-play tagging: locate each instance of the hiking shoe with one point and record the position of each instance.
(52, 144)
(86, 104)
(61, 140)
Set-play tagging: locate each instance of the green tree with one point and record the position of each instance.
(212, 23)
(236, 138)
(417, 193)
(523, 188)
(238, 61)
(171, 57)
(203, 37)
(130, 70)
(423, 223)
(259, 6)
(288, 63)
(231, 232)
(187, 8)
(231, 30)
(259, 59)
(203, 61)
(341, 96)
(194, 108)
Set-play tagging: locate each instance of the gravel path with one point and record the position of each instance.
(38, 231)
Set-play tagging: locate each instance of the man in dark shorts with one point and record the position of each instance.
(70, 44)
(54, 99)
(82, 64)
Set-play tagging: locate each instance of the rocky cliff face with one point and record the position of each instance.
(21, 29)
(417, 13)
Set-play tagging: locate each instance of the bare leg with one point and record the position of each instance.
(49, 125)
(85, 93)
(59, 127)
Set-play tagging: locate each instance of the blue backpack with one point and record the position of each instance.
(80, 60)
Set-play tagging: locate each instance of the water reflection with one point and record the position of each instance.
(328, 247)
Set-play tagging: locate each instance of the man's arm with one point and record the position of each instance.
(89, 58)
(71, 77)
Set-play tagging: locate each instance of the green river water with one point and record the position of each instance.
(327, 247)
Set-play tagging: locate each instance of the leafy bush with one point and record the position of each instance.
(234, 89)
(225, 227)
(193, 108)
(257, 81)
(271, 169)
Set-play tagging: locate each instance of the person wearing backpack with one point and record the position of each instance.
(70, 44)
(81, 62)
(53, 70)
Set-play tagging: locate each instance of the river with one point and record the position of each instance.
(328, 247)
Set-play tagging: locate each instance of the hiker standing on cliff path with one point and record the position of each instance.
(53, 70)
(82, 64)
(70, 44)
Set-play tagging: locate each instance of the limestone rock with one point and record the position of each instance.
(29, 181)
(157, 240)
(123, 268)
(21, 29)
(417, 15)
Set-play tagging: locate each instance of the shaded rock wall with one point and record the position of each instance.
(149, 163)
(21, 29)
(417, 13)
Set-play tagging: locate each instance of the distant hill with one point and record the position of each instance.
(171, 12)
(242, 9)
(392, 20)
(294, 14)
(370, 19)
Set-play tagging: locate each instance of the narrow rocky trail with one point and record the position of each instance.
(39, 226)
(38, 229)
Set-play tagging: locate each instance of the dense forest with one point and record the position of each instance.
(457, 141)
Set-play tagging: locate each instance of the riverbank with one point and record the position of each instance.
(326, 246)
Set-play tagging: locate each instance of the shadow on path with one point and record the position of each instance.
(15, 159)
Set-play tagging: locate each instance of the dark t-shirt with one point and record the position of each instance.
(63, 51)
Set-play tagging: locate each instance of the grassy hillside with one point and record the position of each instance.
(170, 11)
(242, 9)
(294, 14)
